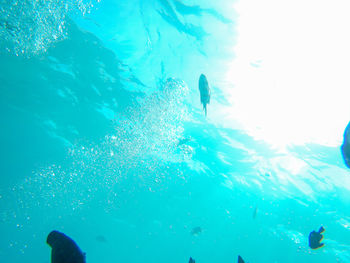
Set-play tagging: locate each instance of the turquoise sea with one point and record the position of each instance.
(103, 136)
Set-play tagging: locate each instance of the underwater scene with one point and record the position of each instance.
(174, 131)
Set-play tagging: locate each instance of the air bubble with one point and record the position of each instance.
(28, 33)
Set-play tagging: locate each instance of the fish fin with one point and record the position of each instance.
(205, 109)
(240, 259)
(209, 95)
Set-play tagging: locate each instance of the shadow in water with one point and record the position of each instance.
(169, 15)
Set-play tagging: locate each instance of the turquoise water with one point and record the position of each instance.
(103, 137)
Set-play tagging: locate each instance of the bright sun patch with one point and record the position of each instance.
(290, 77)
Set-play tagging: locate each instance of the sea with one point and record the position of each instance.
(103, 136)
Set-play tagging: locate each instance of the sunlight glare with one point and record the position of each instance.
(291, 75)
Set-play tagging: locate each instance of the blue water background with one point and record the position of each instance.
(103, 135)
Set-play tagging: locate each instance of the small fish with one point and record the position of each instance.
(240, 259)
(345, 148)
(183, 141)
(315, 238)
(101, 239)
(191, 260)
(204, 91)
(10, 28)
(196, 231)
(255, 212)
(64, 249)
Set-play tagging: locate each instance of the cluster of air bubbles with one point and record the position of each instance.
(156, 127)
(141, 151)
(28, 27)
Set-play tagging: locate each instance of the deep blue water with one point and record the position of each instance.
(103, 137)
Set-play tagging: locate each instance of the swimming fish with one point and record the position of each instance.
(240, 259)
(64, 249)
(191, 260)
(315, 238)
(101, 239)
(204, 91)
(183, 141)
(255, 212)
(345, 148)
(196, 231)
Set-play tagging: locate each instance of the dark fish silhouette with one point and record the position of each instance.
(196, 231)
(345, 148)
(64, 249)
(240, 259)
(315, 238)
(191, 260)
(204, 91)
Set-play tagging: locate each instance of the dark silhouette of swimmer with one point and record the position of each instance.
(345, 148)
(204, 91)
(315, 238)
(191, 260)
(64, 249)
(240, 259)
